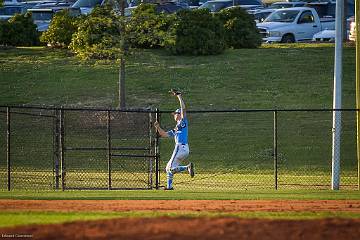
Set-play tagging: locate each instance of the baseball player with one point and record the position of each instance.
(181, 150)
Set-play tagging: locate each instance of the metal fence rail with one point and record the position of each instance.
(68, 148)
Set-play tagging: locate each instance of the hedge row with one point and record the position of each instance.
(195, 32)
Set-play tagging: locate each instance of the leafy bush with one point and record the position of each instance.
(147, 28)
(240, 28)
(98, 35)
(19, 30)
(61, 29)
(196, 32)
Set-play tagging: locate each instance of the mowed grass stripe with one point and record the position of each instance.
(18, 218)
(182, 195)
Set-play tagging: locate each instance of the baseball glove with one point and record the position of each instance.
(175, 92)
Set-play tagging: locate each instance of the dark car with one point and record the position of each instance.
(327, 9)
(169, 7)
(279, 5)
(216, 6)
(7, 12)
(262, 14)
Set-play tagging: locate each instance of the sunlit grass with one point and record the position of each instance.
(18, 218)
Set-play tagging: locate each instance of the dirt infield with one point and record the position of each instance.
(196, 229)
(187, 228)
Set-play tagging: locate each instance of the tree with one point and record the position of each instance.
(196, 32)
(98, 35)
(240, 28)
(61, 29)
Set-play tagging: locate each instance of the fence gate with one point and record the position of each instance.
(27, 148)
(107, 149)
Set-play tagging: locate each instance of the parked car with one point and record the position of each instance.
(86, 6)
(6, 12)
(11, 2)
(53, 4)
(217, 5)
(329, 35)
(170, 7)
(129, 11)
(324, 36)
(248, 8)
(261, 14)
(292, 25)
(352, 31)
(278, 5)
(327, 9)
(42, 16)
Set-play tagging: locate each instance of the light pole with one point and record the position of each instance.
(336, 129)
(122, 104)
(357, 41)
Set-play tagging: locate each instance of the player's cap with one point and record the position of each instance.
(177, 111)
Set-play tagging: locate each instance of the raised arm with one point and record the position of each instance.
(181, 101)
(182, 106)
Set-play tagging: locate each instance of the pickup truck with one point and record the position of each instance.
(293, 25)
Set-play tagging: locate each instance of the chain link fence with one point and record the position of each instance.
(76, 149)
(3, 146)
(263, 149)
(232, 150)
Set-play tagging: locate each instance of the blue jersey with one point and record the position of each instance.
(180, 132)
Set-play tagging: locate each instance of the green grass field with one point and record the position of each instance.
(11, 219)
(282, 76)
(273, 76)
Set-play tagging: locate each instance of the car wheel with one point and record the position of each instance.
(288, 38)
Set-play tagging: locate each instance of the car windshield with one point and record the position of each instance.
(261, 16)
(216, 6)
(280, 5)
(247, 2)
(87, 3)
(129, 11)
(283, 16)
(10, 10)
(42, 16)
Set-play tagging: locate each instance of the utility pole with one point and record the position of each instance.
(357, 42)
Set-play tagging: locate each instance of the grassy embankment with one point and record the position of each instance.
(274, 76)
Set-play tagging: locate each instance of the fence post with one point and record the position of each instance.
(62, 148)
(57, 148)
(275, 151)
(151, 151)
(8, 159)
(157, 152)
(109, 148)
